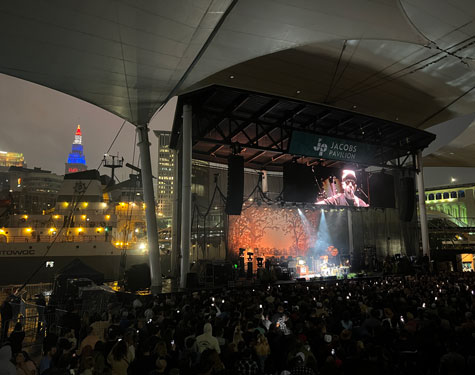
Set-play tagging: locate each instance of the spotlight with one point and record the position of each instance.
(259, 261)
(241, 251)
(249, 256)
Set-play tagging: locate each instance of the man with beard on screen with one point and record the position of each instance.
(348, 197)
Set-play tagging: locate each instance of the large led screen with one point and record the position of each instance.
(325, 186)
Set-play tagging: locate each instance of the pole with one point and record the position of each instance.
(422, 205)
(351, 243)
(175, 247)
(186, 194)
(149, 200)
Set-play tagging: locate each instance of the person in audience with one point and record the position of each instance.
(6, 366)
(89, 340)
(47, 359)
(207, 340)
(394, 324)
(119, 358)
(16, 338)
(24, 365)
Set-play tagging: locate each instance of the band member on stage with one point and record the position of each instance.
(348, 197)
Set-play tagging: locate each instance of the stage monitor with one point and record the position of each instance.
(299, 183)
(341, 187)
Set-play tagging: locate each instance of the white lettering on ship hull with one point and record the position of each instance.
(17, 252)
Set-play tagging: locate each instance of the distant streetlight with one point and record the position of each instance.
(453, 179)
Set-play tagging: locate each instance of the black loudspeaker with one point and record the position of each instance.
(235, 185)
(137, 277)
(407, 198)
(381, 190)
(192, 280)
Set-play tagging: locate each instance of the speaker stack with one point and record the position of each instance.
(137, 277)
(235, 185)
(407, 197)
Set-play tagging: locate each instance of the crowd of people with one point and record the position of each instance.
(386, 325)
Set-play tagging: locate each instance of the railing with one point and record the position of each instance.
(28, 292)
(31, 239)
(34, 321)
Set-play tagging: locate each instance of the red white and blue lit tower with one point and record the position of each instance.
(76, 159)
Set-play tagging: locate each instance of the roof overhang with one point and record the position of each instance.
(260, 127)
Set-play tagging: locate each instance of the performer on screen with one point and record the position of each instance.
(348, 197)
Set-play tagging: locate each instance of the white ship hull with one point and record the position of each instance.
(18, 261)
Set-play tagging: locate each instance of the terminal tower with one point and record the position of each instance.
(76, 159)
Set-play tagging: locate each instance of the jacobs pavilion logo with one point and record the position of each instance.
(321, 147)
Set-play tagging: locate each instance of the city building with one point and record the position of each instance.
(165, 175)
(455, 201)
(76, 159)
(12, 159)
(451, 216)
(31, 190)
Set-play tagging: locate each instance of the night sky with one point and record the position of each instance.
(40, 123)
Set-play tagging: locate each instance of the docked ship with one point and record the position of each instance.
(100, 223)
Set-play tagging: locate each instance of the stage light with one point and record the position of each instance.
(241, 251)
(249, 256)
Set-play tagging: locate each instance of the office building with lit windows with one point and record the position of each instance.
(32, 190)
(12, 159)
(451, 216)
(165, 175)
(457, 202)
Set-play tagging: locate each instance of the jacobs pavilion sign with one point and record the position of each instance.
(324, 147)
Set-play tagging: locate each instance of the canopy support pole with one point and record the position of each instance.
(149, 200)
(422, 206)
(186, 194)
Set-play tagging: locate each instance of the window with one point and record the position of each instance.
(446, 195)
(49, 263)
(438, 196)
(431, 197)
(453, 194)
(461, 193)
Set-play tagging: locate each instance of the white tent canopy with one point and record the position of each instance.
(410, 61)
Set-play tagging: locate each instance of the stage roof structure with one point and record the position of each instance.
(259, 127)
(407, 61)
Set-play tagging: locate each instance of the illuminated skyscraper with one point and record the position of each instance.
(76, 159)
(166, 171)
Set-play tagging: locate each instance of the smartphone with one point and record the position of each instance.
(333, 351)
(172, 342)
